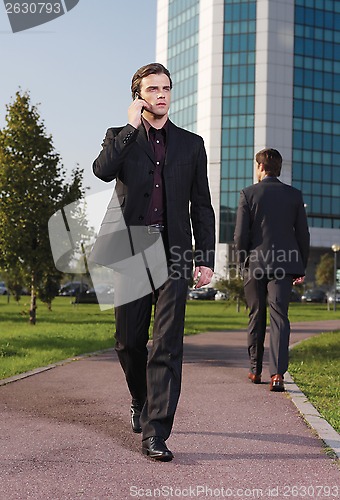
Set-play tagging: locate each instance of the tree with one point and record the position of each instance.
(325, 270)
(234, 286)
(15, 282)
(32, 188)
(48, 287)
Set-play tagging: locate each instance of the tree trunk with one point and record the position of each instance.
(238, 304)
(33, 308)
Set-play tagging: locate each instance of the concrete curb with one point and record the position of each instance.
(313, 418)
(311, 415)
(42, 369)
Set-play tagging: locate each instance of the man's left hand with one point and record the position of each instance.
(204, 275)
(299, 281)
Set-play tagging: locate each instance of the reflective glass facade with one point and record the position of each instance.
(238, 93)
(316, 124)
(313, 128)
(183, 27)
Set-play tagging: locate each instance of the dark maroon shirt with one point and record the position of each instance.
(157, 140)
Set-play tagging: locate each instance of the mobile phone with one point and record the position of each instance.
(138, 96)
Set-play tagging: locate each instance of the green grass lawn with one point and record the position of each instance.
(70, 330)
(315, 367)
(64, 332)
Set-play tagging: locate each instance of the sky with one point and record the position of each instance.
(79, 68)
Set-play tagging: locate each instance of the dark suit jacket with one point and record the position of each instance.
(127, 157)
(271, 228)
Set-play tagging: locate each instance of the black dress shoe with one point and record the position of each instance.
(135, 412)
(155, 447)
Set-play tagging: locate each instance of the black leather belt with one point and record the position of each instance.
(155, 228)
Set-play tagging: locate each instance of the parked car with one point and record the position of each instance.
(73, 288)
(220, 295)
(3, 288)
(316, 295)
(202, 294)
(330, 296)
(86, 297)
(103, 294)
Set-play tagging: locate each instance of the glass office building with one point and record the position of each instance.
(250, 74)
(316, 115)
(238, 107)
(182, 58)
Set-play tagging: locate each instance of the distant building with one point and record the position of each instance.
(252, 74)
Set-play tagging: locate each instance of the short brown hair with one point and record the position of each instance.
(271, 160)
(149, 69)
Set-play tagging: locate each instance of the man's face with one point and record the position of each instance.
(155, 89)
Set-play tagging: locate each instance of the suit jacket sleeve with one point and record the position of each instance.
(302, 232)
(116, 145)
(242, 228)
(202, 213)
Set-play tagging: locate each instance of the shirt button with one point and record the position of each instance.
(157, 185)
(155, 209)
(157, 141)
(157, 162)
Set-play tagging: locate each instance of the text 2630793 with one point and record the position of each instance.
(33, 8)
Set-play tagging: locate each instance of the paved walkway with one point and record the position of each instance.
(65, 433)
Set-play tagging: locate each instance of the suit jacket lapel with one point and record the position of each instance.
(143, 142)
(172, 148)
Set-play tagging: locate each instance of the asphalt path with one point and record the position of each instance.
(65, 432)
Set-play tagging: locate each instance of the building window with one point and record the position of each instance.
(316, 123)
(183, 26)
(237, 140)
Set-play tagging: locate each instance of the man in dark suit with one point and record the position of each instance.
(272, 240)
(162, 186)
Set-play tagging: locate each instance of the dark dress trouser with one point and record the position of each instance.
(277, 292)
(155, 378)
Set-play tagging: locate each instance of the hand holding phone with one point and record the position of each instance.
(135, 110)
(138, 96)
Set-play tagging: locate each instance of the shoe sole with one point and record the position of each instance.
(137, 431)
(277, 389)
(160, 458)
